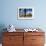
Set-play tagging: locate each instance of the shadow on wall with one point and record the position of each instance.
(2, 26)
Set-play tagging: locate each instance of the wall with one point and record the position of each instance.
(8, 13)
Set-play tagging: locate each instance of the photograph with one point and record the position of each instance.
(25, 13)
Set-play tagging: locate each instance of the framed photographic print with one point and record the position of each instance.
(25, 13)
